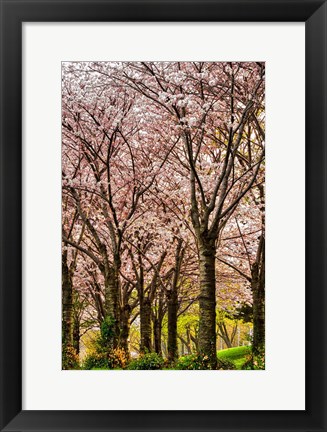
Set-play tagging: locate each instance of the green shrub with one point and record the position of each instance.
(193, 362)
(102, 358)
(98, 360)
(107, 330)
(150, 361)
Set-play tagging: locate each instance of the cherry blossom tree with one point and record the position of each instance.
(207, 107)
(161, 163)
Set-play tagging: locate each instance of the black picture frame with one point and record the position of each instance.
(13, 14)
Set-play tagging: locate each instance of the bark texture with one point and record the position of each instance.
(172, 300)
(157, 335)
(145, 318)
(258, 292)
(112, 308)
(124, 327)
(172, 326)
(67, 303)
(76, 336)
(207, 302)
(158, 317)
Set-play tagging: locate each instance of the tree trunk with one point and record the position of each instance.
(164, 348)
(157, 335)
(195, 340)
(112, 305)
(67, 303)
(258, 292)
(172, 304)
(76, 336)
(172, 326)
(124, 328)
(207, 302)
(223, 333)
(189, 340)
(158, 317)
(145, 317)
(185, 344)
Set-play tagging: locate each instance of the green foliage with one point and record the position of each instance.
(255, 361)
(193, 362)
(108, 329)
(96, 360)
(70, 358)
(150, 361)
(188, 320)
(99, 356)
(237, 356)
(114, 359)
(201, 362)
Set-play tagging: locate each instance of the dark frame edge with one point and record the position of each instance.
(10, 216)
(316, 211)
(12, 418)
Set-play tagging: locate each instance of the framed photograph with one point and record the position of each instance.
(163, 215)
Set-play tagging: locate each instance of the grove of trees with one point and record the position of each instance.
(163, 212)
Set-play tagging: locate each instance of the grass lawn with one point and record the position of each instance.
(236, 355)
